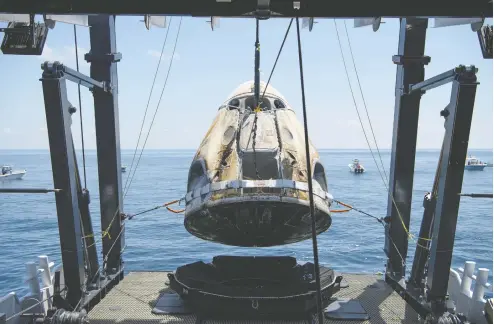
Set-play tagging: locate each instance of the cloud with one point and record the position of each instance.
(51, 55)
(7, 130)
(64, 55)
(80, 51)
(154, 53)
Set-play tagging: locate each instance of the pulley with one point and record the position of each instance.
(262, 12)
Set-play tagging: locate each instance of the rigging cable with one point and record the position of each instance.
(86, 253)
(80, 107)
(157, 107)
(147, 105)
(410, 235)
(275, 112)
(363, 100)
(106, 232)
(309, 180)
(277, 57)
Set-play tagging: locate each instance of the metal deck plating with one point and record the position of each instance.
(133, 299)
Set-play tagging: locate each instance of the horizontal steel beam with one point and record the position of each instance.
(474, 195)
(433, 82)
(441, 79)
(243, 8)
(59, 70)
(27, 190)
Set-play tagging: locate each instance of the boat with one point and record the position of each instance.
(356, 167)
(247, 184)
(9, 174)
(474, 164)
(124, 168)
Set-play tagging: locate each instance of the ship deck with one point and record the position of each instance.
(133, 299)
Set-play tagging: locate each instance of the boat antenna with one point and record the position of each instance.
(257, 75)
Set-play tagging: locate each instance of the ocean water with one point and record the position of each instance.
(158, 240)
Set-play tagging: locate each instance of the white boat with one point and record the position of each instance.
(124, 168)
(8, 174)
(474, 164)
(356, 167)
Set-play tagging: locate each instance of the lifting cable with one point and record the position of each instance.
(309, 180)
(258, 108)
(409, 234)
(277, 57)
(157, 107)
(149, 100)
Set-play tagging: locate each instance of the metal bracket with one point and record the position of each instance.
(461, 71)
(110, 57)
(58, 70)
(403, 60)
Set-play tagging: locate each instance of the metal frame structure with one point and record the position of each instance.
(245, 8)
(441, 207)
(436, 239)
(82, 272)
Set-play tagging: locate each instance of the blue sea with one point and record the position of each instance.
(159, 241)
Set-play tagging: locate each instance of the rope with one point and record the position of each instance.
(309, 180)
(166, 205)
(380, 220)
(409, 234)
(349, 208)
(157, 107)
(80, 107)
(147, 105)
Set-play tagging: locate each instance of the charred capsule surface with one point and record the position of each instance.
(247, 184)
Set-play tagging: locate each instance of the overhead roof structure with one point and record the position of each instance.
(241, 8)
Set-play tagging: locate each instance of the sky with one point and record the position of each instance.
(208, 65)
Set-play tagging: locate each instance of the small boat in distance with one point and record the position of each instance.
(8, 174)
(356, 167)
(124, 168)
(474, 164)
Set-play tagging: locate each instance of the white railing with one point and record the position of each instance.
(470, 303)
(40, 279)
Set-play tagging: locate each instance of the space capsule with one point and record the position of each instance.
(247, 184)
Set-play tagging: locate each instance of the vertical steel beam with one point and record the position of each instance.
(410, 70)
(458, 116)
(422, 249)
(64, 178)
(103, 58)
